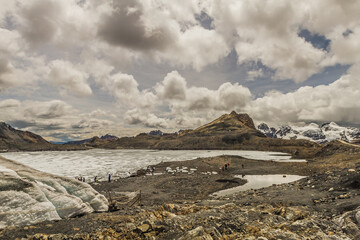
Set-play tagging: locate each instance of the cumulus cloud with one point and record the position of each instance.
(64, 74)
(125, 88)
(182, 98)
(197, 47)
(187, 104)
(135, 117)
(333, 102)
(172, 87)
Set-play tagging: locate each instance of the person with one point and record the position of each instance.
(152, 170)
(242, 165)
(225, 166)
(83, 179)
(109, 177)
(95, 178)
(228, 164)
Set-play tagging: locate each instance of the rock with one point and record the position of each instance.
(196, 234)
(343, 196)
(351, 170)
(331, 189)
(144, 228)
(357, 217)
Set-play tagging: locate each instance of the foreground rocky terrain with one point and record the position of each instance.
(324, 205)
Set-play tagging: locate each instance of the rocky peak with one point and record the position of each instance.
(156, 133)
(269, 132)
(108, 137)
(237, 119)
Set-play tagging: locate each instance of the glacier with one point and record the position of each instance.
(28, 196)
(323, 133)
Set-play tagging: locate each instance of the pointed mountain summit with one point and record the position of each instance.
(228, 122)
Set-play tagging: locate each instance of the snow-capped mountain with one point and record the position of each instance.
(318, 133)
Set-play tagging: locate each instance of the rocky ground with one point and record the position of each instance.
(179, 205)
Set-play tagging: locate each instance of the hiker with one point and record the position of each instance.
(225, 166)
(109, 177)
(242, 165)
(95, 178)
(152, 170)
(83, 179)
(228, 164)
(222, 168)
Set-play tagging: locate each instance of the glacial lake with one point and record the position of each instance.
(100, 162)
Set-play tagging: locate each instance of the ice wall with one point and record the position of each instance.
(28, 196)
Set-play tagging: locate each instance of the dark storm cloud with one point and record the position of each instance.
(124, 27)
(39, 21)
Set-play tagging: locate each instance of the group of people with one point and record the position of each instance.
(225, 167)
(81, 179)
(96, 178)
(150, 169)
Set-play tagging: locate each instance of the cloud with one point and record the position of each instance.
(135, 117)
(125, 26)
(125, 89)
(64, 74)
(53, 118)
(187, 104)
(253, 74)
(9, 103)
(197, 47)
(172, 87)
(268, 32)
(46, 110)
(39, 20)
(333, 102)
(182, 98)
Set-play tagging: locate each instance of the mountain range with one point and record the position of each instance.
(323, 133)
(229, 131)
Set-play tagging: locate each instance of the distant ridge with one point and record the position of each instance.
(106, 137)
(12, 139)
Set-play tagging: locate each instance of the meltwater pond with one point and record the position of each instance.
(258, 181)
(100, 162)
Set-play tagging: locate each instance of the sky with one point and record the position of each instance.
(74, 69)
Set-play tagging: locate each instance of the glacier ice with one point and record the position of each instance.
(29, 196)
